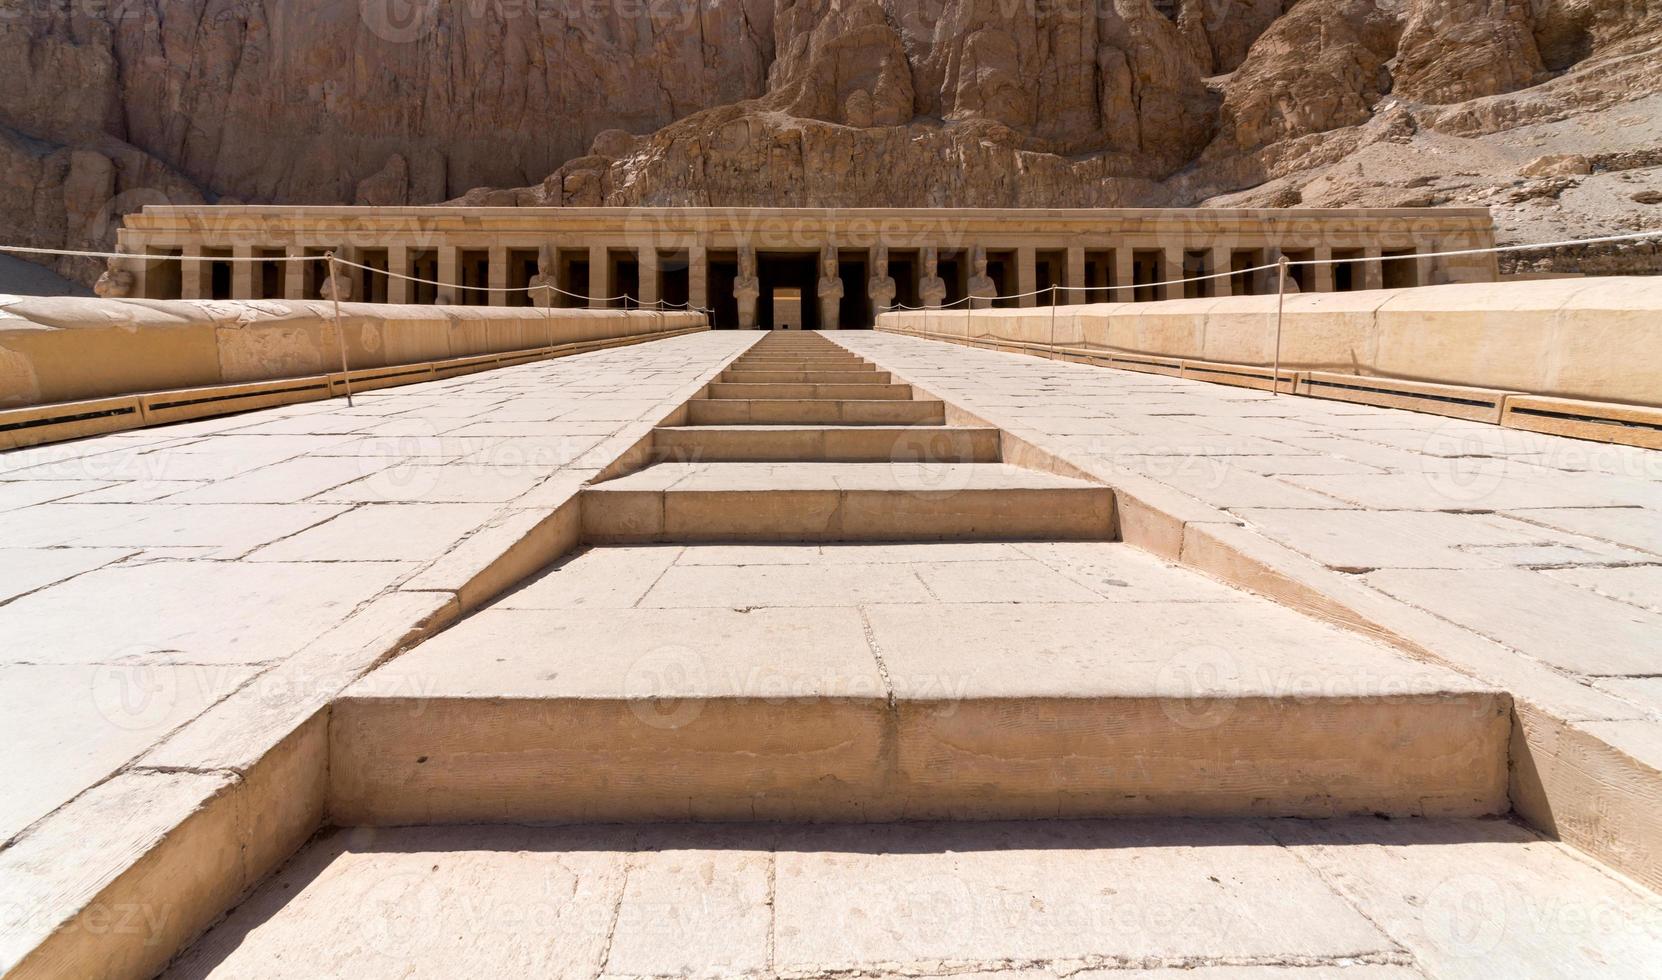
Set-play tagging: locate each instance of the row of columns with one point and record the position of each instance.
(194, 285)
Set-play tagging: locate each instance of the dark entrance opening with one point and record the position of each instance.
(163, 279)
(1099, 276)
(955, 270)
(788, 271)
(903, 269)
(1051, 270)
(372, 282)
(1401, 273)
(674, 283)
(1242, 282)
(724, 270)
(1347, 269)
(1303, 275)
(626, 280)
(474, 268)
(522, 268)
(270, 281)
(574, 279)
(1001, 269)
(855, 311)
(217, 284)
(424, 265)
(1147, 269)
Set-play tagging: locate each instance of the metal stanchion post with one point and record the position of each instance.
(1052, 353)
(1280, 298)
(340, 332)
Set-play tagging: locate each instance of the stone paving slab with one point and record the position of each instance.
(1460, 518)
(1496, 551)
(1263, 900)
(196, 600)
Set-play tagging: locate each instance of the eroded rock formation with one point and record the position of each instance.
(106, 107)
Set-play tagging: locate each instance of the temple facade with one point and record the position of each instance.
(844, 265)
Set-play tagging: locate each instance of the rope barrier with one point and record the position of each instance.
(967, 301)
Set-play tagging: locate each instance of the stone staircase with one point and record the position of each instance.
(766, 632)
(785, 448)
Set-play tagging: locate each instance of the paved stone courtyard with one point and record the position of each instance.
(146, 577)
(178, 600)
(1545, 551)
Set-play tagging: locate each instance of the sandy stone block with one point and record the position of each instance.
(121, 877)
(518, 903)
(17, 494)
(26, 569)
(1011, 580)
(65, 727)
(1353, 539)
(138, 491)
(239, 731)
(753, 586)
(230, 529)
(383, 532)
(1569, 627)
(454, 483)
(599, 578)
(1501, 903)
(737, 515)
(750, 554)
(1069, 513)
(691, 910)
(866, 898)
(286, 482)
(1476, 483)
(190, 612)
(1125, 574)
(1630, 526)
(1640, 585)
(622, 515)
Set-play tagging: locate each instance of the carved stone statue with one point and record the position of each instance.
(746, 288)
(544, 282)
(114, 283)
(982, 289)
(830, 290)
(931, 287)
(880, 287)
(337, 286)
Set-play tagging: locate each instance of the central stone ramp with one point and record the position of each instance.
(885, 682)
(776, 450)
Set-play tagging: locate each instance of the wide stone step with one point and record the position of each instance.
(651, 684)
(812, 411)
(868, 392)
(854, 444)
(872, 377)
(902, 501)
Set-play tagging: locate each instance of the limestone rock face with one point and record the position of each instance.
(105, 107)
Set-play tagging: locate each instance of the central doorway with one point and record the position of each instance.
(788, 270)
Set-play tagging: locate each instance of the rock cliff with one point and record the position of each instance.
(107, 106)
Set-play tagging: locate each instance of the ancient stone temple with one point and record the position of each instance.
(678, 257)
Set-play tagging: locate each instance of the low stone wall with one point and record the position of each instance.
(63, 349)
(1593, 339)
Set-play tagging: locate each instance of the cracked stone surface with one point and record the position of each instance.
(1363, 899)
(148, 577)
(1539, 547)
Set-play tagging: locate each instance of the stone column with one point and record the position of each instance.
(1125, 274)
(398, 260)
(1173, 269)
(242, 273)
(1323, 278)
(497, 275)
(600, 276)
(449, 272)
(1219, 262)
(1373, 274)
(1027, 275)
(1076, 279)
(698, 276)
(191, 272)
(647, 259)
(294, 274)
